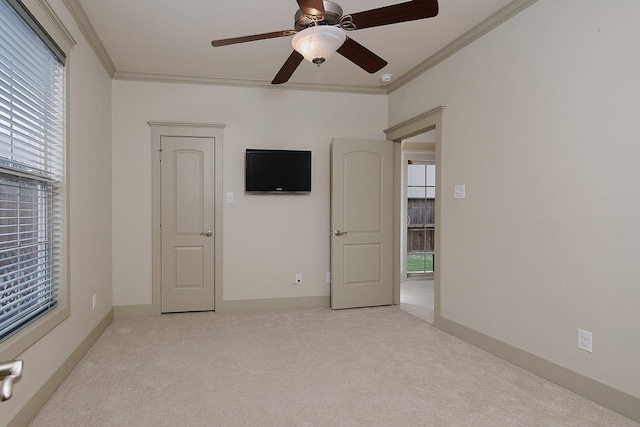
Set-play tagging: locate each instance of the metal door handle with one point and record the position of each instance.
(208, 233)
(10, 373)
(339, 233)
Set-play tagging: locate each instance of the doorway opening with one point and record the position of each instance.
(418, 226)
(428, 124)
(186, 242)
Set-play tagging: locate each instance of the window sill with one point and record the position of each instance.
(16, 344)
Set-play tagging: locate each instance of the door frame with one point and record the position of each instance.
(188, 130)
(422, 123)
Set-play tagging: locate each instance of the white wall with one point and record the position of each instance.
(267, 238)
(541, 126)
(89, 175)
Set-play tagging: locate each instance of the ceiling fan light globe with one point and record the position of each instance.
(319, 43)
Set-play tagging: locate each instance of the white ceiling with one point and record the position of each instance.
(172, 37)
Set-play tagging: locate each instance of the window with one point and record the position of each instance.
(421, 204)
(31, 169)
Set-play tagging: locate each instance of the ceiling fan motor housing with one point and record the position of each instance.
(332, 14)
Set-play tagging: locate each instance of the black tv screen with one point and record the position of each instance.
(277, 171)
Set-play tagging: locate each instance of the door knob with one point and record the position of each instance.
(10, 373)
(339, 233)
(208, 233)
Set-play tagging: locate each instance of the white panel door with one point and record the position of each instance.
(187, 221)
(362, 180)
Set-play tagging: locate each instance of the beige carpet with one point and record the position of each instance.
(316, 367)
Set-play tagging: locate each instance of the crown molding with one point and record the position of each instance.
(55, 20)
(186, 125)
(82, 20)
(223, 81)
(498, 18)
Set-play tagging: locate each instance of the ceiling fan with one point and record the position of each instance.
(320, 27)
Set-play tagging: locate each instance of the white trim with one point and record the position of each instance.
(49, 20)
(57, 23)
(293, 303)
(415, 126)
(185, 125)
(225, 81)
(142, 310)
(83, 22)
(498, 18)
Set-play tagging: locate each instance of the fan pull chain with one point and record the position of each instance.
(320, 104)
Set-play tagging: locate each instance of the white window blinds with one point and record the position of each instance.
(31, 168)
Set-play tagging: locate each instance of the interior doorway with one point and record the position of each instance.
(418, 225)
(187, 180)
(182, 155)
(403, 135)
(362, 240)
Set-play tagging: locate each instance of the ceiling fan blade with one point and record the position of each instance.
(290, 65)
(402, 12)
(361, 56)
(235, 40)
(311, 7)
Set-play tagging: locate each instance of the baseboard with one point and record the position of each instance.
(142, 310)
(276, 303)
(39, 398)
(148, 310)
(612, 398)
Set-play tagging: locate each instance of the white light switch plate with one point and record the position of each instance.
(229, 197)
(459, 192)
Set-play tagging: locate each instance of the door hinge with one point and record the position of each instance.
(160, 154)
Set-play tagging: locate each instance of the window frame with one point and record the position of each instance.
(425, 158)
(11, 347)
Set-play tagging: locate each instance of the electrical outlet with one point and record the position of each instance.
(328, 278)
(585, 340)
(298, 279)
(95, 300)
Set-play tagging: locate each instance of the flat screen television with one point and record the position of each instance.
(277, 171)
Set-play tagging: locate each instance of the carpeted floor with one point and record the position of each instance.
(315, 367)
